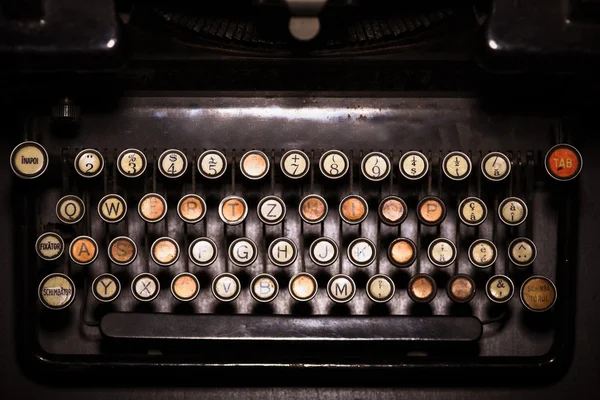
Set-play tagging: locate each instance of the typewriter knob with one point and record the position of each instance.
(66, 111)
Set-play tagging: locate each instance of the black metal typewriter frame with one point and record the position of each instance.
(44, 366)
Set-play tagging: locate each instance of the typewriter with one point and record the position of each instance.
(319, 188)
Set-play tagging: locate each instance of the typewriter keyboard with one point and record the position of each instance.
(184, 220)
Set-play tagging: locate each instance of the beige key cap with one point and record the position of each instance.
(29, 160)
(56, 291)
(89, 163)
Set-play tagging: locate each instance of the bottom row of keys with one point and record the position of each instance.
(538, 293)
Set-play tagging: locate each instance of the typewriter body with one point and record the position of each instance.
(352, 189)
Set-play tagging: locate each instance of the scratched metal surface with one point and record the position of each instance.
(356, 126)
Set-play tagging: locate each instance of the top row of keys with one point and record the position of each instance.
(30, 160)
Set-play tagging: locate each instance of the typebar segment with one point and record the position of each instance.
(290, 328)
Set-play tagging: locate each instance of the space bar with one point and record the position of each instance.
(290, 328)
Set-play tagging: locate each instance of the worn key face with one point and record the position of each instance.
(83, 250)
(538, 293)
(513, 211)
(243, 252)
(29, 160)
(295, 164)
(70, 209)
(132, 163)
(563, 162)
(431, 211)
(324, 251)
(334, 164)
(112, 208)
(283, 252)
(122, 250)
(303, 287)
(254, 164)
(522, 252)
(56, 291)
(271, 210)
(341, 288)
(499, 288)
(191, 208)
(203, 251)
(402, 252)
(495, 166)
(106, 288)
(472, 211)
(49, 246)
(483, 253)
(380, 288)
(353, 209)
(185, 287)
(226, 287)
(145, 287)
(264, 288)
(152, 207)
(361, 252)
(457, 166)
(212, 164)
(89, 163)
(172, 163)
(442, 252)
(461, 288)
(422, 288)
(414, 165)
(165, 251)
(392, 211)
(233, 210)
(375, 166)
(313, 209)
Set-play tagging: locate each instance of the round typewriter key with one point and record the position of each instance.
(112, 208)
(212, 164)
(122, 250)
(380, 288)
(264, 288)
(233, 210)
(152, 207)
(402, 252)
(56, 291)
(334, 164)
(132, 163)
(254, 164)
(538, 293)
(172, 163)
(499, 289)
(563, 162)
(49, 246)
(243, 252)
(483, 253)
(70, 209)
(392, 210)
(313, 209)
(29, 160)
(522, 252)
(226, 287)
(324, 251)
(461, 288)
(353, 209)
(341, 288)
(472, 211)
(361, 252)
(203, 251)
(145, 287)
(375, 166)
(495, 166)
(185, 287)
(513, 211)
(441, 252)
(283, 252)
(191, 208)
(431, 211)
(414, 165)
(164, 251)
(457, 166)
(106, 288)
(422, 288)
(89, 163)
(303, 286)
(271, 210)
(83, 250)
(295, 164)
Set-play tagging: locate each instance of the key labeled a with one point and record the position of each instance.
(112, 208)
(83, 250)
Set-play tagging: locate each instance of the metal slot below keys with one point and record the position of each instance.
(288, 328)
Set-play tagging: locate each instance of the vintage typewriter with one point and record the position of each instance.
(291, 187)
